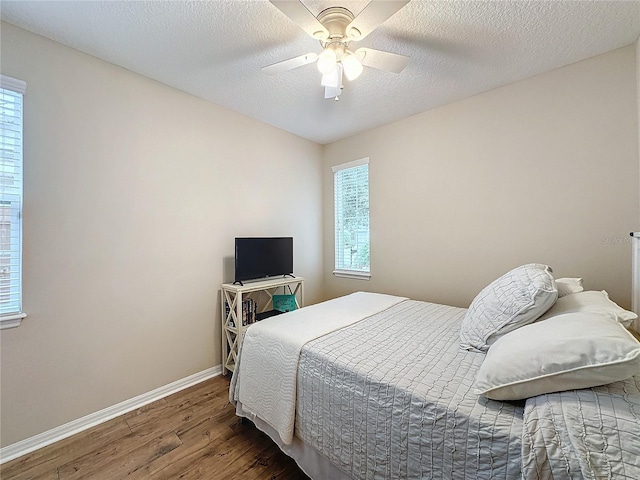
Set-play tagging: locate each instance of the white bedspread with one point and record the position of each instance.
(265, 376)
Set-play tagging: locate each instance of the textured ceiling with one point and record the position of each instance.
(215, 49)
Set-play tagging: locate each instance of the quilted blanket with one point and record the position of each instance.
(264, 380)
(391, 397)
(584, 434)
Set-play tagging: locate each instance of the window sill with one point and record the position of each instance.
(11, 321)
(352, 274)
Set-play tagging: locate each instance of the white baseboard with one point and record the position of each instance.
(28, 445)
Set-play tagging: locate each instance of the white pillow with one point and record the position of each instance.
(513, 300)
(590, 301)
(570, 351)
(567, 286)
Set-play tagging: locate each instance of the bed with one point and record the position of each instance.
(373, 386)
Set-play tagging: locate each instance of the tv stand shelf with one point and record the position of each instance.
(233, 295)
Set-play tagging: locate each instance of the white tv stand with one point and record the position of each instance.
(232, 295)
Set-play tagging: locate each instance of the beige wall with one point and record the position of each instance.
(134, 193)
(543, 170)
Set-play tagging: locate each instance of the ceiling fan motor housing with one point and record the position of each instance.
(335, 20)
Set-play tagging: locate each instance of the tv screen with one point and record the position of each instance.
(260, 257)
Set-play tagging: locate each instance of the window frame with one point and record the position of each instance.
(14, 318)
(343, 272)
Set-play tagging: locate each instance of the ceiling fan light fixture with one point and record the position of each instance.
(352, 66)
(332, 92)
(334, 78)
(327, 61)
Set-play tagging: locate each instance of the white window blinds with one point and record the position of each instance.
(351, 203)
(11, 109)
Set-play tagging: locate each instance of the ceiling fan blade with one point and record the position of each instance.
(296, 11)
(373, 15)
(290, 64)
(387, 61)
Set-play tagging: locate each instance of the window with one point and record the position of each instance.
(11, 96)
(351, 203)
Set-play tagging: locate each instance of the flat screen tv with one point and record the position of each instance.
(260, 257)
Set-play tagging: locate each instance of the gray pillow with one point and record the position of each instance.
(515, 299)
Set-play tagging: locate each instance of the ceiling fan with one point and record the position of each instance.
(336, 28)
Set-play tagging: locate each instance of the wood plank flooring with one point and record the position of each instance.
(193, 434)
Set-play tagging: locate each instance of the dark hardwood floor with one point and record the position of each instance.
(193, 434)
